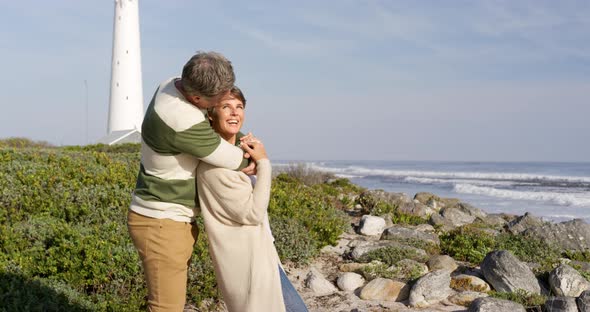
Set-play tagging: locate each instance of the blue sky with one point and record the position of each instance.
(389, 80)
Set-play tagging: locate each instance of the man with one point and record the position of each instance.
(176, 136)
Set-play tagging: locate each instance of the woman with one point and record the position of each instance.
(247, 265)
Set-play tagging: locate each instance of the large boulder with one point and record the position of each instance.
(566, 281)
(430, 289)
(495, 305)
(572, 235)
(560, 304)
(524, 222)
(506, 273)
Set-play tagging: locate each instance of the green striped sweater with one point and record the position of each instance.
(176, 136)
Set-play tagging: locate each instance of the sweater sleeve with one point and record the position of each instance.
(237, 200)
(201, 141)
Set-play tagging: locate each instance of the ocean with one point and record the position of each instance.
(551, 190)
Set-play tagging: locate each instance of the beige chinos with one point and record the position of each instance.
(165, 247)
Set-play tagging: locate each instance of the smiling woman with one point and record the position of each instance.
(234, 209)
(228, 117)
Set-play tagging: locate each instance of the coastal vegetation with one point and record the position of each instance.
(64, 244)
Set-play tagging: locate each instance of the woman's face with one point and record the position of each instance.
(228, 117)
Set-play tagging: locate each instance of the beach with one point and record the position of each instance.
(551, 190)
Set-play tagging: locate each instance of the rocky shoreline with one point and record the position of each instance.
(344, 278)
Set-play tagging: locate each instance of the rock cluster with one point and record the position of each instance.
(345, 278)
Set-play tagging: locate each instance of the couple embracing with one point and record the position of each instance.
(194, 155)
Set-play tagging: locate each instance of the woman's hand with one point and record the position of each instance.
(255, 149)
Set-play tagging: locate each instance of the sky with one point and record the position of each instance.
(325, 80)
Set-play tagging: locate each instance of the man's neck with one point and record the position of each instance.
(180, 88)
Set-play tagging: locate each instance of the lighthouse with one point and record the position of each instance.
(126, 96)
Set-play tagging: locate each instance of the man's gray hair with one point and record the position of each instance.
(207, 74)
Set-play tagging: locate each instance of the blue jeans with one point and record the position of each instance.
(293, 302)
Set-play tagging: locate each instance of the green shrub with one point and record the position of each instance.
(293, 241)
(392, 255)
(201, 282)
(530, 249)
(63, 229)
(467, 244)
(309, 206)
(578, 255)
(375, 270)
(306, 174)
(521, 296)
(403, 273)
(23, 143)
(430, 247)
(116, 148)
(472, 244)
(19, 293)
(403, 218)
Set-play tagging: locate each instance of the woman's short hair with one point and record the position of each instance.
(207, 74)
(234, 92)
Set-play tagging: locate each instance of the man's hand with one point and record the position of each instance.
(251, 169)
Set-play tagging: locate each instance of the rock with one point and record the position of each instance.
(442, 262)
(430, 288)
(561, 304)
(388, 221)
(427, 228)
(462, 214)
(441, 222)
(464, 282)
(495, 220)
(506, 273)
(415, 209)
(428, 199)
(573, 234)
(316, 282)
(434, 202)
(583, 301)
(495, 305)
(465, 298)
(350, 281)
(360, 250)
(371, 225)
(566, 281)
(401, 233)
(522, 223)
(456, 216)
(385, 289)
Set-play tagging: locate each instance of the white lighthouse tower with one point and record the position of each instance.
(126, 99)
